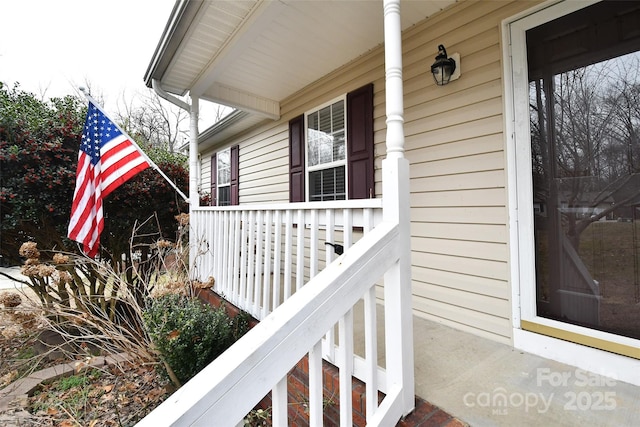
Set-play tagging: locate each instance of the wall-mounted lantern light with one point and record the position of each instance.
(445, 68)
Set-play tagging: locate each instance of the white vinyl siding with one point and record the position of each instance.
(205, 174)
(455, 144)
(264, 165)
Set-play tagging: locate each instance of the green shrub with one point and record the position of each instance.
(189, 334)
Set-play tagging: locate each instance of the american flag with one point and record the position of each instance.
(106, 160)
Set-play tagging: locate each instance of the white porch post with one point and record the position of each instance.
(194, 198)
(194, 166)
(396, 206)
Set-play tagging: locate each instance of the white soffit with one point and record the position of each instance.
(252, 54)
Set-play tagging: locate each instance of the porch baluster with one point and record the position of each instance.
(371, 351)
(226, 246)
(250, 307)
(244, 226)
(280, 403)
(329, 340)
(277, 254)
(313, 244)
(300, 251)
(259, 264)
(235, 255)
(266, 287)
(315, 386)
(346, 368)
(288, 238)
(216, 247)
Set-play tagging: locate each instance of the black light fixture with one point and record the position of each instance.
(443, 68)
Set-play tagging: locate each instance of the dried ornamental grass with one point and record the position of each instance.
(29, 250)
(10, 299)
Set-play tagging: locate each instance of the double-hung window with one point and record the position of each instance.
(224, 177)
(326, 155)
(331, 155)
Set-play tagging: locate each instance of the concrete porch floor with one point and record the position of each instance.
(485, 383)
(488, 384)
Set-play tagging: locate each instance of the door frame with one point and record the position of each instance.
(601, 352)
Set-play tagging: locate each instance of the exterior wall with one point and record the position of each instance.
(455, 143)
(264, 164)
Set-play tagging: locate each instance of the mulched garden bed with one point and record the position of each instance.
(114, 395)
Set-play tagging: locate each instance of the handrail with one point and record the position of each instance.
(228, 388)
(335, 204)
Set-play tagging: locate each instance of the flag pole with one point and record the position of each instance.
(146, 157)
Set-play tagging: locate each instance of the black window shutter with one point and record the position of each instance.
(235, 172)
(360, 142)
(296, 160)
(214, 176)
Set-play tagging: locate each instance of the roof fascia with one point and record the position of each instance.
(182, 15)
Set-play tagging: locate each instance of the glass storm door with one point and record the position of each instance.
(584, 107)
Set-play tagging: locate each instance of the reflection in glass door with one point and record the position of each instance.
(585, 145)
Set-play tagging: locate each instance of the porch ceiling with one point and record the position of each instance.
(252, 54)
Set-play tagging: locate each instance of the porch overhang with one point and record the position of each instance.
(251, 55)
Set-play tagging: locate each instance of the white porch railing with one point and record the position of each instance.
(226, 390)
(261, 255)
